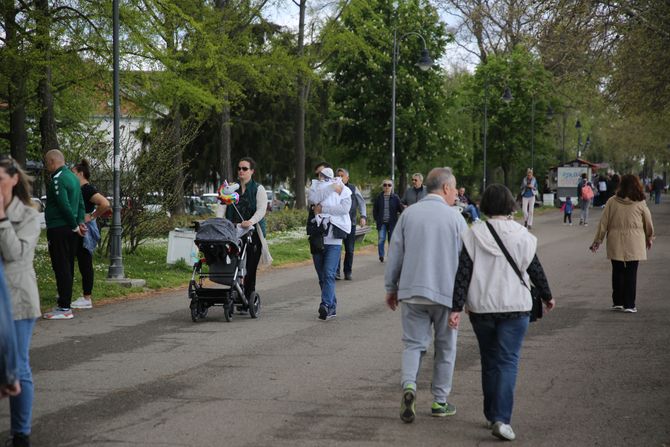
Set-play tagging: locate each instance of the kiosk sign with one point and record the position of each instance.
(569, 177)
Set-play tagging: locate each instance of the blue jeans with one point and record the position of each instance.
(21, 406)
(657, 196)
(325, 264)
(385, 231)
(499, 348)
(472, 210)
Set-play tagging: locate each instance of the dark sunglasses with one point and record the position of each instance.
(387, 184)
(242, 168)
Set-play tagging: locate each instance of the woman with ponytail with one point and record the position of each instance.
(95, 205)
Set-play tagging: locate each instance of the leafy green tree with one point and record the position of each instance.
(509, 124)
(361, 68)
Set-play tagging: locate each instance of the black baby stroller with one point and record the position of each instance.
(225, 248)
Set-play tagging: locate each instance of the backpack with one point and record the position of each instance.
(587, 192)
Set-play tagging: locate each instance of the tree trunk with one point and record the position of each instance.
(300, 116)
(18, 136)
(178, 191)
(48, 132)
(224, 145)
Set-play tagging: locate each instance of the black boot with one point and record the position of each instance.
(20, 440)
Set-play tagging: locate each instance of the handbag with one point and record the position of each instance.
(536, 311)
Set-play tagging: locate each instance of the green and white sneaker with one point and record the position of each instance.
(408, 404)
(439, 409)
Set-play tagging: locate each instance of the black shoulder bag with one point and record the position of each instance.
(537, 311)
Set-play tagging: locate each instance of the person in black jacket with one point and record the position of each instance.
(386, 209)
(357, 204)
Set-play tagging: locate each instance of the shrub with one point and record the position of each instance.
(286, 219)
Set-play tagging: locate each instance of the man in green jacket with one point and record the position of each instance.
(64, 216)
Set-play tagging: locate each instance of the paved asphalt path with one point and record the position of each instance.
(140, 373)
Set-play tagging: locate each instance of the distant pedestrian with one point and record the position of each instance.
(19, 232)
(415, 192)
(386, 209)
(420, 274)
(528, 193)
(95, 205)
(658, 186)
(585, 195)
(357, 204)
(64, 216)
(602, 191)
(499, 303)
(567, 211)
(626, 222)
(331, 202)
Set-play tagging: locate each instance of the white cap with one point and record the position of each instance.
(327, 172)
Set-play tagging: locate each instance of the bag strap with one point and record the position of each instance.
(507, 255)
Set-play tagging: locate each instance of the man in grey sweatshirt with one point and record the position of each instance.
(422, 264)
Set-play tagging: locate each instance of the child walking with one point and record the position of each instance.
(567, 211)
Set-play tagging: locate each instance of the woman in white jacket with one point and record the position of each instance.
(19, 231)
(498, 302)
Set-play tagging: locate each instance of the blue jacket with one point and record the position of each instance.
(394, 208)
(8, 350)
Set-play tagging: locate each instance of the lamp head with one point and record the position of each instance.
(507, 95)
(550, 113)
(425, 62)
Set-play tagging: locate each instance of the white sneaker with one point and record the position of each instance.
(82, 303)
(503, 431)
(59, 314)
(631, 310)
(618, 308)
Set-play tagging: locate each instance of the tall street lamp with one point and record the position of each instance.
(424, 63)
(507, 98)
(115, 261)
(578, 126)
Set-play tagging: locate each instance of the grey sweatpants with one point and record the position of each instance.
(417, 320)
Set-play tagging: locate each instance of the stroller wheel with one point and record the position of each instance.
(254, 305)
(228, 310)
(198, 310)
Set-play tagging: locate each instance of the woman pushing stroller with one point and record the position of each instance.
(251, 210)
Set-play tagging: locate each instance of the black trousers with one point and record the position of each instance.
(253, 256)
(62, 250)
(85, 263)
(349, 246)
(624, 283)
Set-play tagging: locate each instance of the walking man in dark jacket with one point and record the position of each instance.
(64, 216)
(357, 204)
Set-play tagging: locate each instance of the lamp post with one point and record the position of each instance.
(578, 126)
(424, 63)
(532, 134)
(115, 260)
(506, 98)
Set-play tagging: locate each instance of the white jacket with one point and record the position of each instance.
(334, 207)
(494, 286)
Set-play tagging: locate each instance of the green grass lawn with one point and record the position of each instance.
(149, 263)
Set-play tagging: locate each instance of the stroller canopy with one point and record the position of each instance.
(217, 230)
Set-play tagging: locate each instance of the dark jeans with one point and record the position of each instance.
(21, 406)
(253, 256)
(567, 217)
(349, 246)
(385, 231)
(624, 283)
(85, 263)
(62, 250)
(499, 349)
